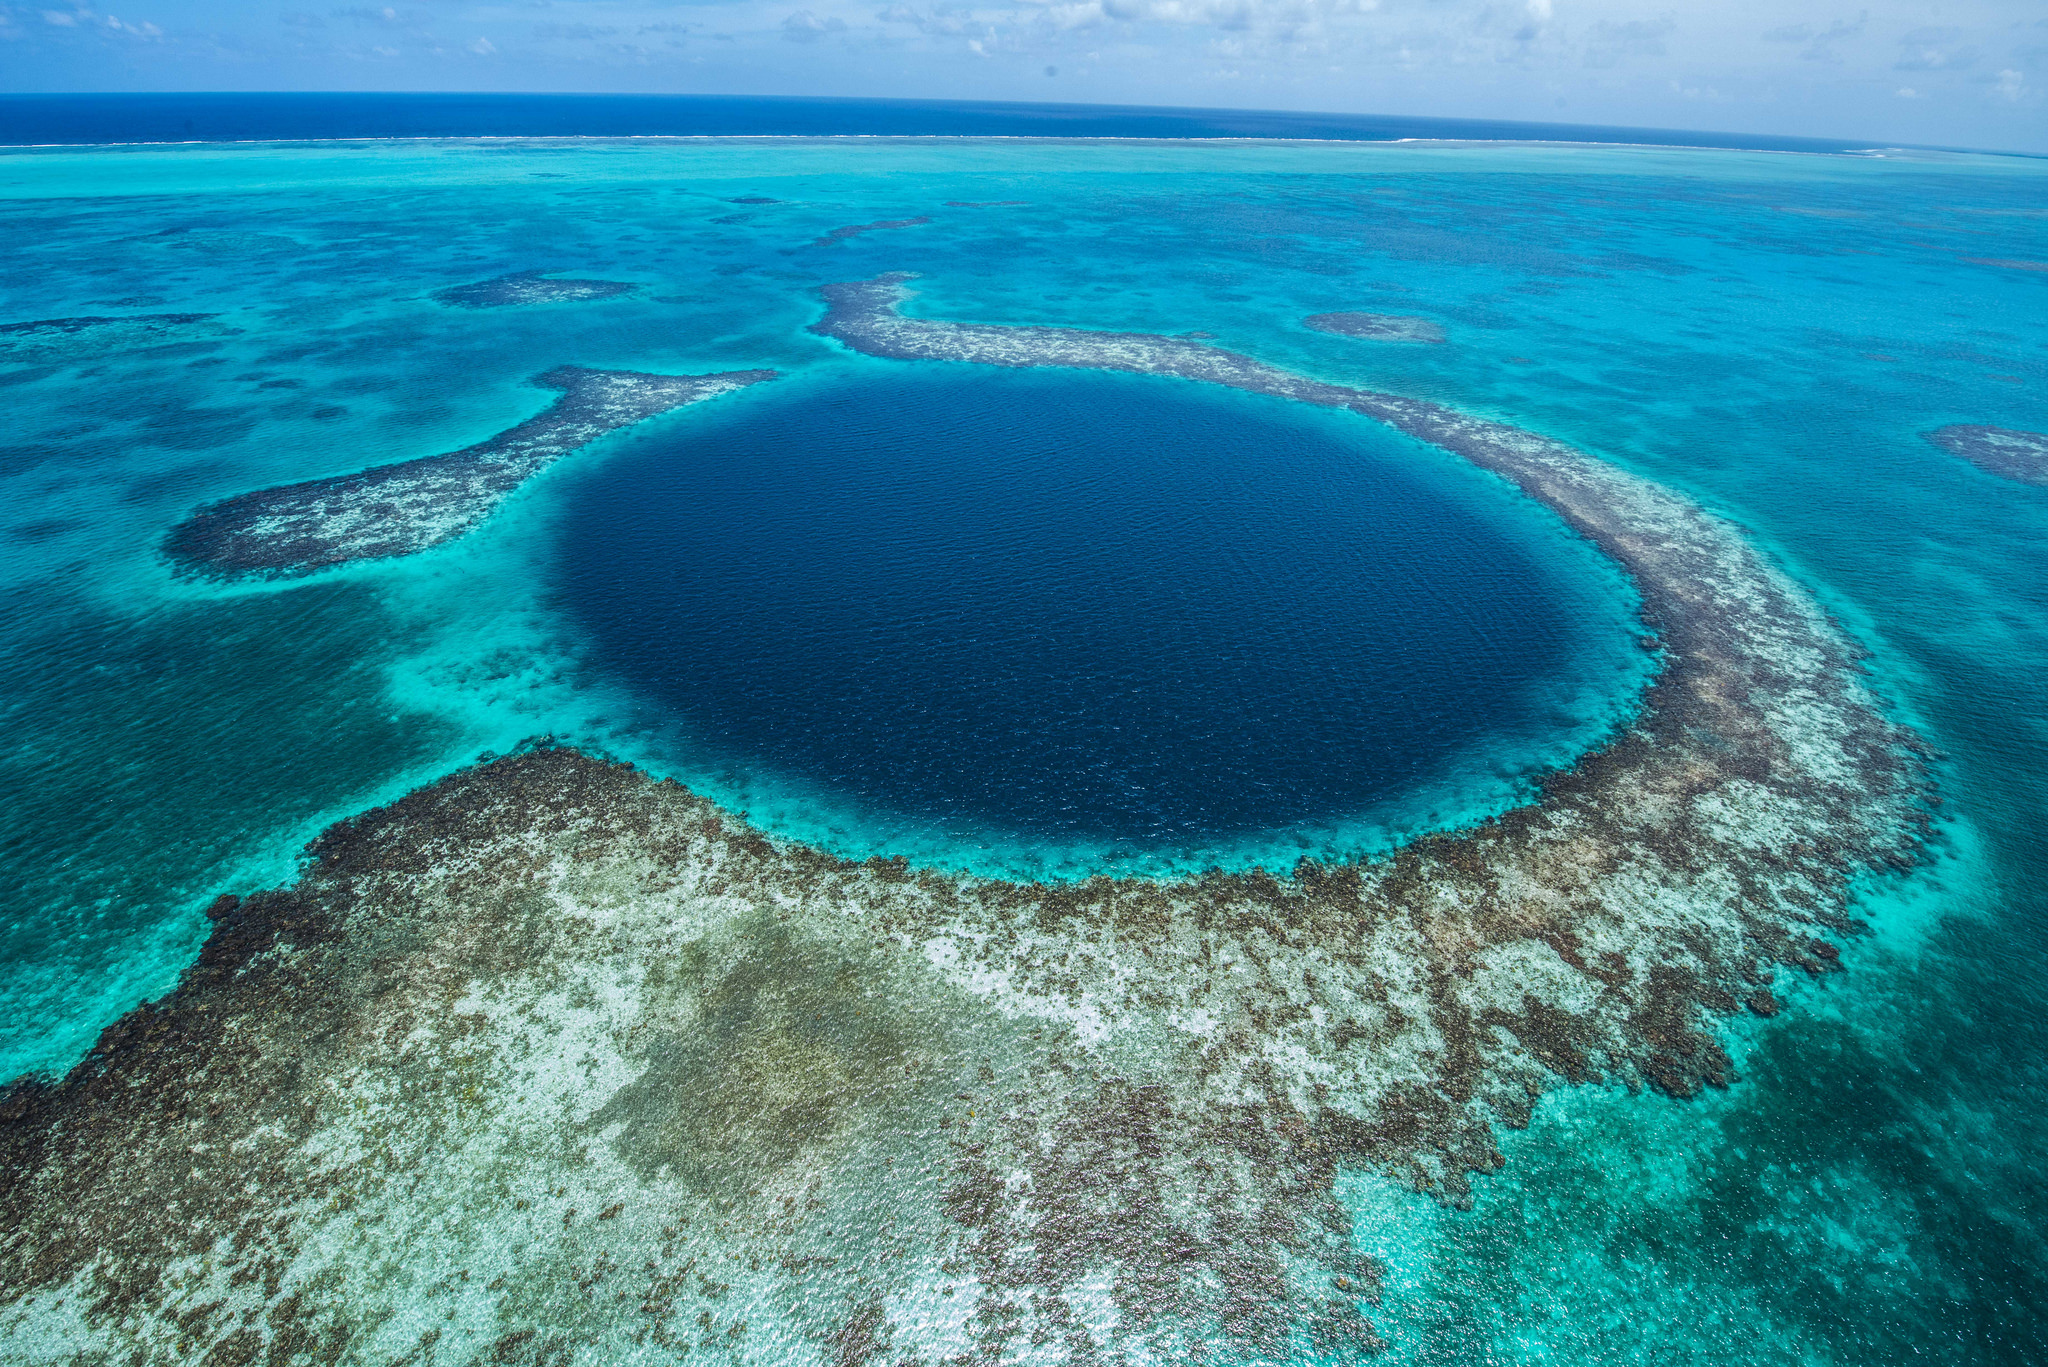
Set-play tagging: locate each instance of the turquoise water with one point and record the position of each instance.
(1769, 333)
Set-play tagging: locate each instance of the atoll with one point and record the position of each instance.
(394, 510)
(549, 1061)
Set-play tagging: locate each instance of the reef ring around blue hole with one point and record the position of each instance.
(1089, 610)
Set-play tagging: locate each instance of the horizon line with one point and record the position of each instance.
(1821, 145)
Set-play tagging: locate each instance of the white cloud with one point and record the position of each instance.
(1820, 45)
(1848, 68)
(806, 27)
(85, 18)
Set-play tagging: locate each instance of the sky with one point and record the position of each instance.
(1970, 73)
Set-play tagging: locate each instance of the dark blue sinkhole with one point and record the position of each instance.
(1085, 609)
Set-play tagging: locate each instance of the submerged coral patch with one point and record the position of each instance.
(531, 287)
(1377, 327)
(857, 229)
(2003, 451)
(399, 509)
(594, 1069)
(65, 339)
(224, 243)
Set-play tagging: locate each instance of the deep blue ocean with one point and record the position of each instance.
(267, 117)
(879, 605)
(1129, 619)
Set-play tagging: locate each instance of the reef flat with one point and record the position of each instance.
(551, 1062)
(530, 287)
(1376, 327)
(2003, 451)
(399, 509)
(61, 339)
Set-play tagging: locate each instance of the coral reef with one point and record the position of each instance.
(2004, 451)
(530, 287)
(552, 1062)
(392, 510)
(63, 339)
(1376, 327)
(856, 229)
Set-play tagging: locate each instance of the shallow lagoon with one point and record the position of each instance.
(1768, 333)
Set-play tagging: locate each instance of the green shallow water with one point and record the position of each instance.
(1767, 333)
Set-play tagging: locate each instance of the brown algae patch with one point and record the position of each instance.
(552, 1062)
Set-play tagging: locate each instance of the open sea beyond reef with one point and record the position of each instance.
(1040, 622)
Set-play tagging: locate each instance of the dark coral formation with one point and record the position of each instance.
(550, 1062)
(530, 287)
(2004, 451)
(1377, 327)
(2007, 263)
(856, 229)
(393, 510)
(60, 339)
